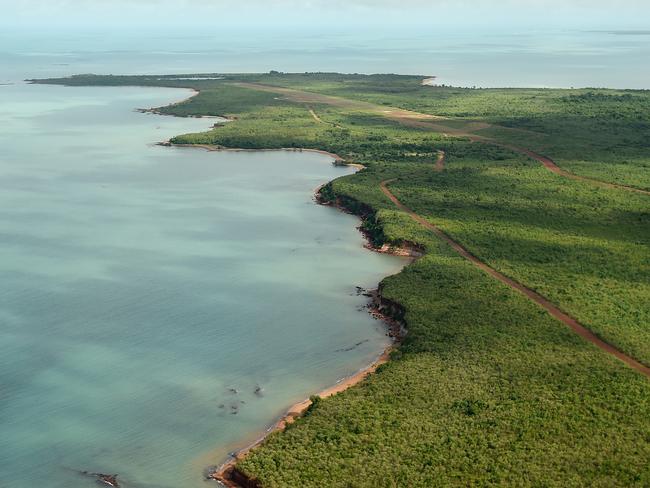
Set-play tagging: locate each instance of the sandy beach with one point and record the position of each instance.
(229, 476)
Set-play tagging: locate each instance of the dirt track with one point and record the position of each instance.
(425, 121)
(440, 163)
(310, 97)
(315, 116)
(551, 308)
(549, 164)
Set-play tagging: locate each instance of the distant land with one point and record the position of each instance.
(526, 358)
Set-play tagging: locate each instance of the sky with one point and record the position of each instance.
(334, 14)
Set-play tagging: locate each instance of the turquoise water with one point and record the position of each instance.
(139, 284)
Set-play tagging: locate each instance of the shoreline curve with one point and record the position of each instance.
(226, 473)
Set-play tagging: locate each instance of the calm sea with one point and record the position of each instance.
(577, 57)
(161, 306)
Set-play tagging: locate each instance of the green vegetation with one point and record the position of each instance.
(604, 134)
(487, 388)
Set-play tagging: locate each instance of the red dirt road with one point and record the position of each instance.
(551, 308)
(549, 164)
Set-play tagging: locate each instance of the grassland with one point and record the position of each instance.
(487, 388)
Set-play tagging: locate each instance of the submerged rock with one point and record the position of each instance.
(108, 479)
(104, 479)
(353, 347)
(209, 472)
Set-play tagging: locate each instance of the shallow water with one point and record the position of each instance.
(138, 284)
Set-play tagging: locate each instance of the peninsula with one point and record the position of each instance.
(527, 354)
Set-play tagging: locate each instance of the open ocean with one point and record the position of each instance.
(472, 57)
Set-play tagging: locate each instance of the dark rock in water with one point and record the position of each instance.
(104, 479)
(352, 348)
(209, 471)
(108, 479)
(222, 405)
(259, 391)
(233, 391)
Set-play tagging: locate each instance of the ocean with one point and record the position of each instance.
(499, 57)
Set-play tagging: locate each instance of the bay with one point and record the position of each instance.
(140, 286)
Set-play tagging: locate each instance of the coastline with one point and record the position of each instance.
(229, 476)
(214, 148)
(156, 111)
(380, 308)
(391, 313)
(371, 394)
(227, 473)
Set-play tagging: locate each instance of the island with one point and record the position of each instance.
(526, 358)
